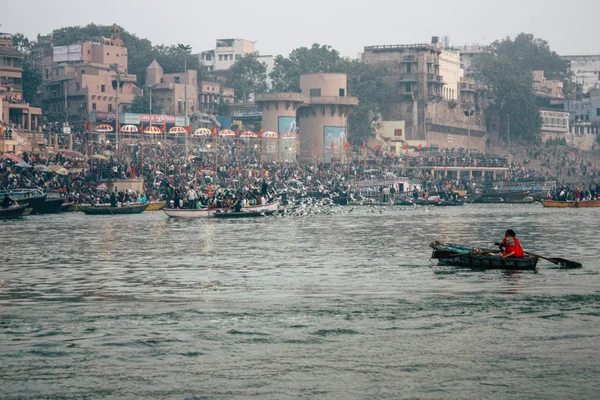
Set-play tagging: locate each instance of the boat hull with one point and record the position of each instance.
(242, 214)
(156, 205)
(51, 205)
(570, 204)
(460, 256)
(13, 211)
(210, 212)
(108, 210)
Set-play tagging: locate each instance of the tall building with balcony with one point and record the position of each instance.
(425, 102)
(585, 70)
(15, 111)
(169, 90)
(83, 78)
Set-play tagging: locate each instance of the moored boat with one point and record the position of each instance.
(462, 256)
(156, 205)
(210, 212)
(14, 211)
(52, 204)
(107, 209)
(242, 214)
(521, 196)
(31, 198)
(570, 203)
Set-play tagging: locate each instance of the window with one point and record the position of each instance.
(88, 52)
(77, 87)
(83, 72)
(408, 68)
(408, 88)
(110, 108)
(342, 92)
(102, 88)
(162, 80)
(315, 92)
(597, 112)
(220, 57)
(177, 79)
(94, 106)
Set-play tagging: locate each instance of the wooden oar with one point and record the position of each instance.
(563, 262)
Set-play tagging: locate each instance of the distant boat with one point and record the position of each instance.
(156, 205)
(521, 196)
(13, 211)
(31, 198)
(242, 214)
(107, 209)
(570, 203)
(210, 212)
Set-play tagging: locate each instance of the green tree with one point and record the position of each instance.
(247, 75)
(141, 104)
(316, 59)
(32, 78)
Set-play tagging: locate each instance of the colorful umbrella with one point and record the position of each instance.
(99, 157)
(104, 128)
(202, 132)
(270, 135)
(22, 164)
(288, 135)
(41, 168)
(226, 133)
(71, 154)
(177, 130)
(13, 157)
(152, 130)
(129, 129)
(248, 134)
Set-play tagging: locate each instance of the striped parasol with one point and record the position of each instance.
(269, 135)
(202, 132)
(104, 128)
(248, 134)
(152, 130)
(129, 129)
(177, 130)
(227, 133)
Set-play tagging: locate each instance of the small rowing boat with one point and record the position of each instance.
(156, 205)
(242, 214)
(210, 212)
(463, 256)
(14, 211)
(107, 209)
(570, 203)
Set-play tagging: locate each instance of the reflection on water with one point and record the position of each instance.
(143, 306)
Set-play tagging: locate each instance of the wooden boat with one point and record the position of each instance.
(31, 198)
(242, 214)
(70, 207)
(570, 203)
(14, 211)
(156, 205)
(521, 196)
(107, 209)
(210, 212)
(462, 256)
(51, 204)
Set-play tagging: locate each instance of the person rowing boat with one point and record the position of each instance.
(510, 246)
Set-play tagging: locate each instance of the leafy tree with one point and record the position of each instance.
(247, 75)
(141, 104)
(32, 78)
(286, 72)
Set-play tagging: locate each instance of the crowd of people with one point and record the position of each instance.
(233, 174)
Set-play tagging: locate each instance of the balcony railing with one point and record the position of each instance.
(352, 101)
(279, 97)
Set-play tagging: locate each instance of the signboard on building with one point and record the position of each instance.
(247, 113)
(286, 125)
(66, 53)
(136, 119)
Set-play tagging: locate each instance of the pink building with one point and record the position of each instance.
(169, 89)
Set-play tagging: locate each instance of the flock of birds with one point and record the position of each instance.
(311, 206)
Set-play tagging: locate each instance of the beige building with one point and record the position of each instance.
(320, 112)
(14, 111)
(547, 88)
(85, 77)
(436, 110)
(212, 95)
(225, 53)
(170, 89)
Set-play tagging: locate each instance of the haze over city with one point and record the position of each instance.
(280, 27)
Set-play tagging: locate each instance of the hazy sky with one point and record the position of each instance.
(571, 27)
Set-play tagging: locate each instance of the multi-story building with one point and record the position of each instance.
(468, 53)
(212, 95)
(170, 89)
(429, 105)
(16, 112)
(84, 78)
(585, 70)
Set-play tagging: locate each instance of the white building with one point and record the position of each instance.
(467, 54)
(450, 72)
(586, 70)
(225, 53)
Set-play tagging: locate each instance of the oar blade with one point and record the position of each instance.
(569, 264)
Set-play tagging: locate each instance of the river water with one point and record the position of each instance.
(330, 306)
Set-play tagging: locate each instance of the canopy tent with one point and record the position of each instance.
(102, 186)
(227, 133)
(202, 132)
(177, 130)
(41, 168)
(269, 135)
(129, 129)
(14, 158)
(152, 130)
(104, 128)
(71, 154)
(248, 134)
